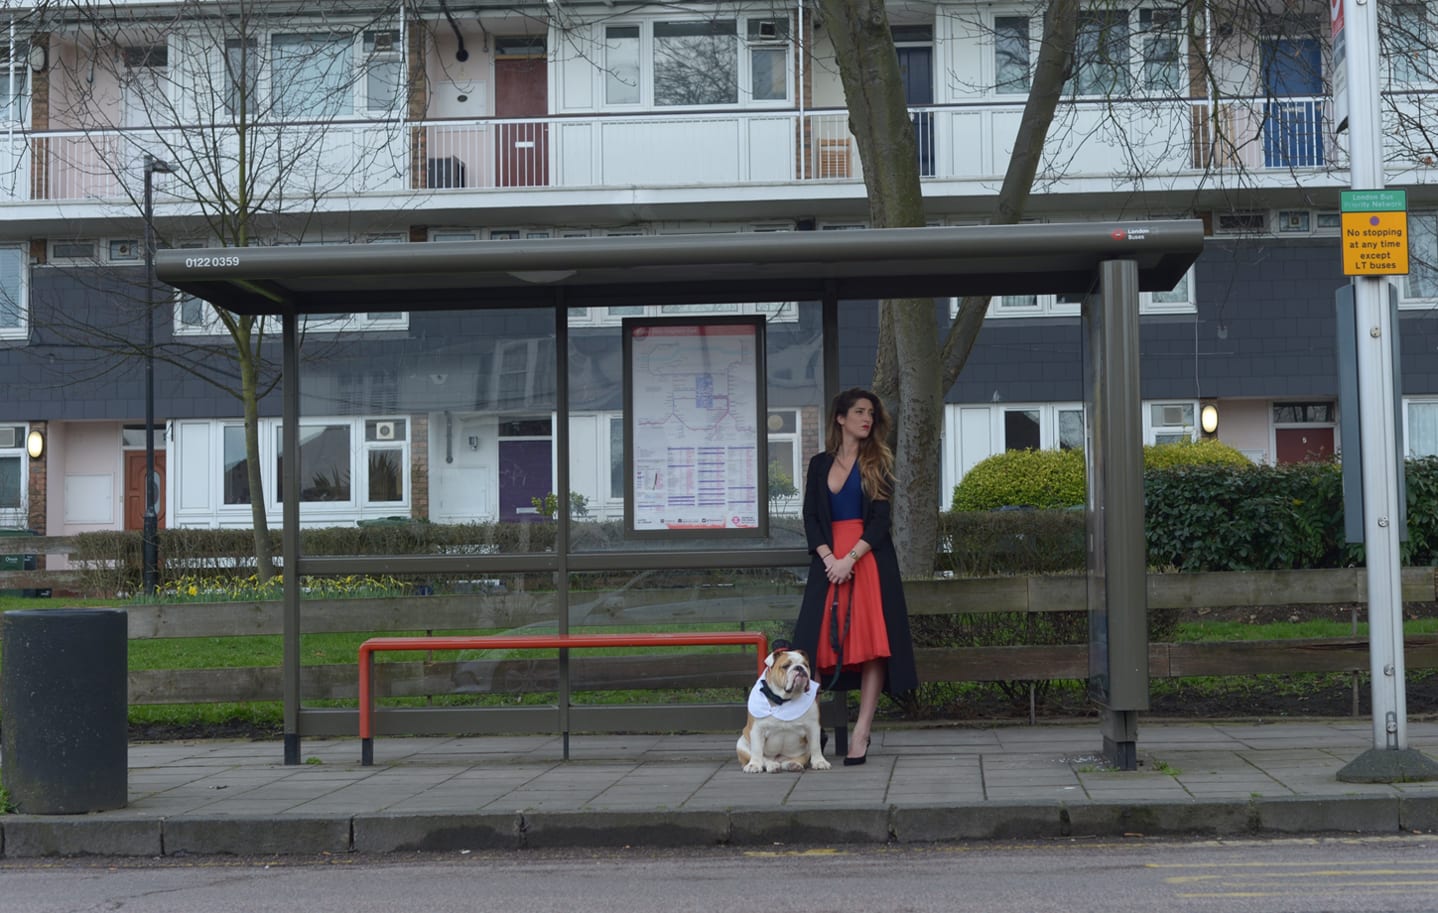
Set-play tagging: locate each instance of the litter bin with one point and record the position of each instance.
(63, 699)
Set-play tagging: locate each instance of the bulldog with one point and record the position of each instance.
(783, 728)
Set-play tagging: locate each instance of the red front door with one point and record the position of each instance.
(135, 488)
(1302, 445)
(521, 90)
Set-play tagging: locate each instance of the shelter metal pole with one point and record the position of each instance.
(561, 481)
(290, 535)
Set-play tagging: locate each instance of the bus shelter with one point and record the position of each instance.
(548, 358)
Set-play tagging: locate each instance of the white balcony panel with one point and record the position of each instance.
(14, 167)
(771, 149)
(575, 155)
(657, 153)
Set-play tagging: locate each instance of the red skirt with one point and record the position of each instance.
(866, 637)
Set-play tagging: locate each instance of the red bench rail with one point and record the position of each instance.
(528, 642)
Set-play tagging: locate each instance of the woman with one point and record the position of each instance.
(853, 618)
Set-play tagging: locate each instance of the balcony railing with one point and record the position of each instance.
(1162, 141)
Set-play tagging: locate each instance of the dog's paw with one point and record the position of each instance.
(819, 763)
(773, 767)
(793, 766)
(753, 767)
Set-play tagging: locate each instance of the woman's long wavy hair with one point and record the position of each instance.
(876, 460)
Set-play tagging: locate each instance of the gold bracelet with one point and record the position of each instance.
(854, 553)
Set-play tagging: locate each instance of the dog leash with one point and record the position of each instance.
(836, 637)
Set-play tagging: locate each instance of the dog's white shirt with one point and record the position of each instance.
(783, 735)
(760, 706)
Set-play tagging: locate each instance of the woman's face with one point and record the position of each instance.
(859, 419)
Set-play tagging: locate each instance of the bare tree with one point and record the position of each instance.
(259, 114)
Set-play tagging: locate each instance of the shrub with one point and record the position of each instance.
(1023, 478)
(1210, 452)
(1055, 478)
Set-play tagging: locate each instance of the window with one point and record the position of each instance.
(386, 459)
(14, 313)
(1011, 55)
(13, 462)
(310, 75)
(1179, 300)
(1421, 283)
(785, 472)
(1420, 428)
(697, 62)
(1169, 423)
(144, 90)
(621, 65)
(1161, 32)
(242, 77)
(1407, 30)
(1022, 429)
(324, 473)
(1101, 53)
(768, 59)
(235, 471)
(1302, 413)
(13, 72)
(382, 70)
(1116, 50)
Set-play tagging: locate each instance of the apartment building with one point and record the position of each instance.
(424, 122)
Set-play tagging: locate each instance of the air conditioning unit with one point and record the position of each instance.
(384, 431)
(9, 436)
(768, 28)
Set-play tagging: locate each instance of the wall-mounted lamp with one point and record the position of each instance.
(35, 443)
(1208, 418)
(39, 55)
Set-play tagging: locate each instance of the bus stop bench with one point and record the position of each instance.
(528, 642)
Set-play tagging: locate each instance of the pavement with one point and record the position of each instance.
(920, 785)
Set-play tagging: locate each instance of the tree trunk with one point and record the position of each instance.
(906, 370)
(249, 396)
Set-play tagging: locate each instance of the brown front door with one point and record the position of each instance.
(521, 89)
(135, 488)
(1301, 445)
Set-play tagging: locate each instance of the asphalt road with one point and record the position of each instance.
(1375, 874)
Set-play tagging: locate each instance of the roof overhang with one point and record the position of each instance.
(750, 266)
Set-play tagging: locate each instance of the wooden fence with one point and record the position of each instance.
(739, 605)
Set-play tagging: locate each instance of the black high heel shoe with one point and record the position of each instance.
(855, 762)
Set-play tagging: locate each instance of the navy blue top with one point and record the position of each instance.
(848, 502)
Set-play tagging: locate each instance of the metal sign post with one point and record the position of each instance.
(1372, 222)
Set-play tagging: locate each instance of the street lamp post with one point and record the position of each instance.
(150, 547)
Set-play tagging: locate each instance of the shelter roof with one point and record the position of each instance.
(867, 264)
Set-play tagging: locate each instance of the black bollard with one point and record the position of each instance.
(63, 710)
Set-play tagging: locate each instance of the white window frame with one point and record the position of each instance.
(21, 255)
(358, 506)
(1407, 36)
(1427, 403)
(353, 96)
(15, 69)
(1157, 429)
(1181, 300)
(1136, 68)
(1422, 262)
(744, 61)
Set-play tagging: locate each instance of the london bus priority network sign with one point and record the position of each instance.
(1375, 232)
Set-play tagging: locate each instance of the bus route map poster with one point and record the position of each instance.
(694, 434)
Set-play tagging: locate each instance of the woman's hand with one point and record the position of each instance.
(840, 569)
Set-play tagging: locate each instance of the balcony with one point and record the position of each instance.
(1163, 144)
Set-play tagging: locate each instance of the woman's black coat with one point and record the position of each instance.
(818, 523)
